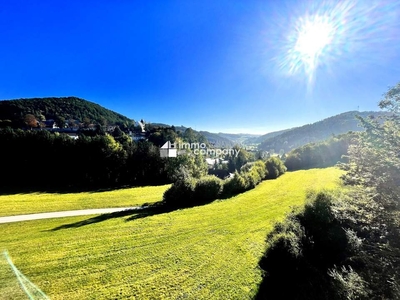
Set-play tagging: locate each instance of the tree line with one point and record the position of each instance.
(43, 160)
(320, 155)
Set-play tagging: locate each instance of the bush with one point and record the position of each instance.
(348, 284)
(234, 186)
(250, 175)
(260, 168)
(208, 188)
(180, 194)
(255, 174)
(246, 167)
(302, 253)
(250, 179)
(274, 167)
(188, 191)
(293, 162)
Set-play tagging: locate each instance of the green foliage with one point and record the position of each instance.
(58, 109)
(87, 162)
(60, 121)
(348, 284)
(235, 185)
(303, 253)
(346, 247)
(188, 191)
(208, 188)
(320, 155)
(5, 123)
(181, 193)
(185, 164)
(249, 176)
(274, 167)
(236, 162)
(160, 135)
(256, 174)
(95, 159)
(374, 172)
(316, 132)
(192, 136)
(217, 140)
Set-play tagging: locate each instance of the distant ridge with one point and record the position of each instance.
(13, 112)
(217, 140)
(53, 107)
(240, 138)
(262, 138)
(316, 132)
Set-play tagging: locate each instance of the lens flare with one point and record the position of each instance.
(322, 34)
(312, 38)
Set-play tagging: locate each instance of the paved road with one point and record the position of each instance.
(62, 214)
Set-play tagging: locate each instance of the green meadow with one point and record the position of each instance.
(205, 252)
(49, 202)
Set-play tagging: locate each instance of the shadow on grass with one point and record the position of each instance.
(134, 214)
(10, 190)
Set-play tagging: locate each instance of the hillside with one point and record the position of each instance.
(53, 107)
(239, 138)
(217, 140)
(262, 138)
(214, 139)
(315, 132)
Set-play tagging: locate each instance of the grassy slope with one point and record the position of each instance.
(208, 252)
(46, 202)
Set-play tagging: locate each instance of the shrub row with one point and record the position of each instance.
(188, 191)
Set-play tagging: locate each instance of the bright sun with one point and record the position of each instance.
(320, 38)
(313, 36)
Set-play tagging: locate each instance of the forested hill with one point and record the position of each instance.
(216, 140)
(239, 138)
(54, 107)
(262, 138)
(316, 132)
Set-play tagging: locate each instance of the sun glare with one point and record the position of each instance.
(330, 33)
(311, 40)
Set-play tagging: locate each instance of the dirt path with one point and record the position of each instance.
(62, 214)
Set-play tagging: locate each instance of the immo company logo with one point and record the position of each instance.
(168, 150)
(173, 149)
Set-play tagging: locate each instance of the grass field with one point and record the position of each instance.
(207, 252)
(49, 202)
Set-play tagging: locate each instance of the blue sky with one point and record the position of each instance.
(230, 66)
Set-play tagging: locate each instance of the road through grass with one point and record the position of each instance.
(49, 202)
(207, 252)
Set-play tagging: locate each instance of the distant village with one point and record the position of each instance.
(72, 128)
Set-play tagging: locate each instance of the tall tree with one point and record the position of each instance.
(60, 121)
(374, 167)
(86, 122)
(30, 121)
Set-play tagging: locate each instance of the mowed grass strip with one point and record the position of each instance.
(207, 252)
(49, 202)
